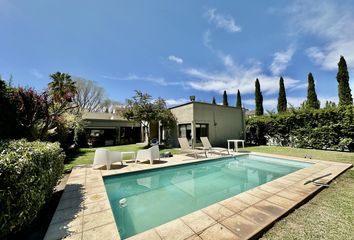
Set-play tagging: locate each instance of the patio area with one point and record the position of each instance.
(84, 211)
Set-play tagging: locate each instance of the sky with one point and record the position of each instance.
(176, 49)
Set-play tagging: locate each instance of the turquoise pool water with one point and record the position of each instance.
(146, 199)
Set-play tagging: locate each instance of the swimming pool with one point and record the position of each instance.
(146, 199)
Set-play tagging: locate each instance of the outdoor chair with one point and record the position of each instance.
(185, 148)
(217, 150)
(114, 156)
(150, 154)
(101, 158)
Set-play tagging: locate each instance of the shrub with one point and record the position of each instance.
(329, 128)
(28, 171)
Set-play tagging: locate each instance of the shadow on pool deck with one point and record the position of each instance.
(68, 217)
(37, 229)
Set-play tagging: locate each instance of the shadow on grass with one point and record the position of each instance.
(75, 153)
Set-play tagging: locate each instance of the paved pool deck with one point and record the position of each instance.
(84, 211)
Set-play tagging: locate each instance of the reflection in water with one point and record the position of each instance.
(158, 196)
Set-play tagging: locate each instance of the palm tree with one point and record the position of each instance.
(62, 87)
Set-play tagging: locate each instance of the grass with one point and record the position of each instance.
(85, 155)
(330, 214)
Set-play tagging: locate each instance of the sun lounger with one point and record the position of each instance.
(207, 146)
(185, 148)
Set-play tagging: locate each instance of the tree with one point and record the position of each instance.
(143, 110)
(258, 99)
(62, 88)
(282, 102)
(214, 101)
(238, 99)
(109, 106)
(8, 112)
(330, 104)
(32, 112)
(344, 92)
(312, 100)
(58, 99)
(88, 96)
(224, 99)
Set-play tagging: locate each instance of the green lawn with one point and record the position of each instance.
(330, 214)
(85, 155)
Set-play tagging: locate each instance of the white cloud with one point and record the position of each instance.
(281, 60)
(207, 39)
(222, 21)
(133, 77)
(235, 77)
(36, 73)
(332, 22)
(175, 59)
(173, 102)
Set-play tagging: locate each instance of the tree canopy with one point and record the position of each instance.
(282, 102)
(214, 101)
(238, 99)
(143, 110)
(89, 96)
(224, 99)
(258, 99)
(344, 92)
(312, 100)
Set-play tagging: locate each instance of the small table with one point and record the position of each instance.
(235, 141)
(132, 154)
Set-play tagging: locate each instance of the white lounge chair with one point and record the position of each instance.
(114, 156)
(101, 158)
(207, 146)
(185, 148)
(150, 154)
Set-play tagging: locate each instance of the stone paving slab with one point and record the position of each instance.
(84, 210)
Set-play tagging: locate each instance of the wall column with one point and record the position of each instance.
(193, 132)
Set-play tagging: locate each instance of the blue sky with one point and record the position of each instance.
(175, 49)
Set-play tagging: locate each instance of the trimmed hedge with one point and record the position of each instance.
(28, 171)
(330, 128)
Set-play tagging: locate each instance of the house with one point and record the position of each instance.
(199, 119)
(106, 129)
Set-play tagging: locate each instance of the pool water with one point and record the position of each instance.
(146, 199)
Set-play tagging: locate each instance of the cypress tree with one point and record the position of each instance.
(214, 101)
(312, 100)
(282, 103)
(224, 99)
(238, 99)
(344, 92)
(259, 99)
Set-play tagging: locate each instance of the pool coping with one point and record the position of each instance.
(84, 211)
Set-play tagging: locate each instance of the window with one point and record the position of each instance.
(185, 130)
(202, 130)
